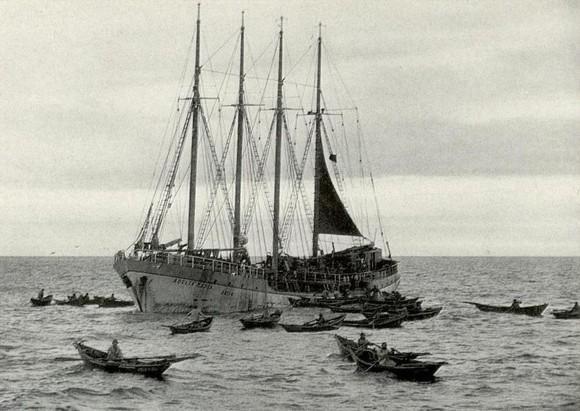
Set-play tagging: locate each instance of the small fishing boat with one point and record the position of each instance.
(106, 303)
(346, 344)
(381, 320)
(300, 301)
(265, 319)
(316, 325)
(322, 302)
(532, 310)
(41, 302)
(368, 360)
(75, 302)
(191, 327)
(373, 307)
(347, 308)
(262, 320)
(96, 300)
(149, 366)
(572, 313)
(423, 314)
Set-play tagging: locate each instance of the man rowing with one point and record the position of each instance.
(362, 341)
(114, 353)
(383, 355)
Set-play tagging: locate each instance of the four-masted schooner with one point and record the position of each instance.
(172, 277)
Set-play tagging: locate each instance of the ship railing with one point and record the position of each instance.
(342, 278)
(210, 264)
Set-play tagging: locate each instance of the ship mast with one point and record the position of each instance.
(279, 119)
(238, 195)
(195, 102)
(318, 151)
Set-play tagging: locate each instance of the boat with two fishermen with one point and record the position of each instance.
(368, 360)
(346, 345)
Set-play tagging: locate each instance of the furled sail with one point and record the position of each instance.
(333, 217)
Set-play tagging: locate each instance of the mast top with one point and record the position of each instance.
(198, 6)
(319, 30)
(243, 12)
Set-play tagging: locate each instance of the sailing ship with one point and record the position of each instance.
(171, 276)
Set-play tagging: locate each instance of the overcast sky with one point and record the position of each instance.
(472, 110)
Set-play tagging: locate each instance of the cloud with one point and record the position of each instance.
(502, 215)
(442, 89)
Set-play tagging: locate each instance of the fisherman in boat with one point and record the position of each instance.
(41, 294)
(321, 319)
(114, 352)
(515, 304)
(194, 314)
(375, 294)
(383, 355)
(575, 308)
(362, 341)
(72, 297)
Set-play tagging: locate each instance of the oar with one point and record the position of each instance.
(161, 357)
(61, 359)
(158, 357)
(354, 357)
(188, 357)
(372, 365)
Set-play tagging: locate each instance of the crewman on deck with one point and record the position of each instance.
(114, 352)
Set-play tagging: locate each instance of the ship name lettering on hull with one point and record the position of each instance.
(197, 284)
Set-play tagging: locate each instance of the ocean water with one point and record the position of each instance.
(495, 361)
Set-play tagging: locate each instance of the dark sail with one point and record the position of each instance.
(333, 217)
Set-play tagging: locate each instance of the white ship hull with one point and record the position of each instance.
(176, 288)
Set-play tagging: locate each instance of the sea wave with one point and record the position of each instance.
(495, 361)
